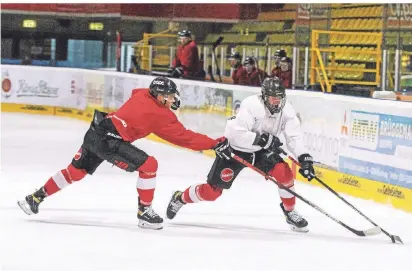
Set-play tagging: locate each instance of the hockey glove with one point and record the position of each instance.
(222, 149)
(306, 166)
(268, 142)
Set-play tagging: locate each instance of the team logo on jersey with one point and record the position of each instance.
(226, 175)
(78, 154)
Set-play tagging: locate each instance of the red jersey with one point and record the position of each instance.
(237, 75)
(187, 57)
(286, 78)
(276, 72)
(142, 115)
(252, 79)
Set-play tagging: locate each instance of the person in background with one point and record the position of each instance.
(277, 56)
(187, 63)
(236, 63)
(252, 76)
(285, 74)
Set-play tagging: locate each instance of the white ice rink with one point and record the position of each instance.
(91, 225)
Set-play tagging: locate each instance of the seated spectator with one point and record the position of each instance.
(236, 63)
(285, 74)
(277, 56)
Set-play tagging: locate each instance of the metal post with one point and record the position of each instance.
(297, 69)
(295, 55)
(269, 68)
(122, 54)
(205, 57)
(257, 57)
(222, 61)
(171, 56)
(397, 65)
(306, 67)
(384, 69)
(213, 64)
(150, 57)
(243, 54)
(231, 68)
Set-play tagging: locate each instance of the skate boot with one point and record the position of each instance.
(30, 204)
(295, 220)
(174, 205)
(148, 219)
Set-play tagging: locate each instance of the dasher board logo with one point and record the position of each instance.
(6, 87)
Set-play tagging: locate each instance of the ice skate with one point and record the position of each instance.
(174, 205)
(295, 220)
(30, 204)
(149, 219)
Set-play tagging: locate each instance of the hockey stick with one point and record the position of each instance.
(210, 72)
(215, 45)
(368, 232)
(266, 54)
(394, 238)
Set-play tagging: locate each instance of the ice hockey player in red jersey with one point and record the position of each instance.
(187, 63)
(109, 139)
(277, 56)
(253, 135)
(238, 69)
(285, 74)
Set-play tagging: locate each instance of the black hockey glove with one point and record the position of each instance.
(223, 149)
(268, 142)
(306, 166)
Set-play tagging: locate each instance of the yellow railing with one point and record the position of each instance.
(144, 51)
(326, 74)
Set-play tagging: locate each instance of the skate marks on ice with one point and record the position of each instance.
(205, 230)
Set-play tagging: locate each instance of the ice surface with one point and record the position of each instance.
(91, 225)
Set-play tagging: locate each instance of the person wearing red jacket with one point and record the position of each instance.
(109, 139)
(277, 56)
(252, 76)
(187, 63)
(285, 74)
(238, 69)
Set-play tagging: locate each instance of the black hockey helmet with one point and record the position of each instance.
(236, 56)
(185, 33)
(249, 60)
(273, 87)
(280, 53)
(164, 86)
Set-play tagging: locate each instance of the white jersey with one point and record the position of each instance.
(253, 118)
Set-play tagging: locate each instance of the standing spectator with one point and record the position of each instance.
(236, 63)
(285, 74)
(187, 63)
(277, 56)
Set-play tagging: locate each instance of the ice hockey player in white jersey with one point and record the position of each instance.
(253, 135)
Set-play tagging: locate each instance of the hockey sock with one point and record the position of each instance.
(63, 178)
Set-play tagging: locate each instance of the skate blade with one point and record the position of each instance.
(297, 229)
(25, 207)
(152, 226)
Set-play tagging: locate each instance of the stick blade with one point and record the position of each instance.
(372, 231)
(396, 238)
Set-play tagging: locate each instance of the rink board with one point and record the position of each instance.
(398, 197)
